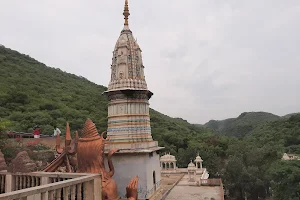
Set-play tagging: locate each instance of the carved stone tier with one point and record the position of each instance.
(127, 69)
(128, 116)
(142, 147)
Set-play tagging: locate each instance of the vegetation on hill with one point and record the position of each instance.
(285, 176)
(34, 94)
(289, 115)
(242, 125)
(284, 133)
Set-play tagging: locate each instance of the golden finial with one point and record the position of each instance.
(126, 13)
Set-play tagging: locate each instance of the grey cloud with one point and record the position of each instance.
(204, 59)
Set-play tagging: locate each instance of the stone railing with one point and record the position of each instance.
(51, 186)
(181, 170)
(18, 181)
(211, 182)
(222, 194)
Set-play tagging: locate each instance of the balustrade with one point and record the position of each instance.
(25, 181)
(50, 186)
(211, 182)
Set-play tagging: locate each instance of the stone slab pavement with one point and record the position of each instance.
(195, 193)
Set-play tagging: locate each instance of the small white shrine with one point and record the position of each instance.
(192, 172)
(198, 162)
(168, 162)
(168, 165)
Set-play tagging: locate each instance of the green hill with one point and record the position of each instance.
(33, 94)
(242, 125)
(289, 115)
(284, 133)
(219, 125)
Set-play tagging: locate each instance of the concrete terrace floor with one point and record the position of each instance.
(184, 191)
(185, 180)
(167, 181)
(194, 193)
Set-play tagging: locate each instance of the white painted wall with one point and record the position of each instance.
(139, 164)
(153, 165)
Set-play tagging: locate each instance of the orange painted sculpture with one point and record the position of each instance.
(65, 154)
(90, 159)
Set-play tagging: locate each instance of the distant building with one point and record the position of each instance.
(290, 157)
(168, 166)
(191, 182)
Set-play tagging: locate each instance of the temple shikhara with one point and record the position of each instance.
(128, 95)
(128, 116)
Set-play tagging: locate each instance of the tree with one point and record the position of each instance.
(4, 126)
(285, 179)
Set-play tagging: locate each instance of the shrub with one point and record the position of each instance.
(36, 146)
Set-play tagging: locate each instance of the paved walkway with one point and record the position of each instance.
(185, 180)
(194, 193)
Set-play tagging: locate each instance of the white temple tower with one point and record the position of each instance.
(128, 117)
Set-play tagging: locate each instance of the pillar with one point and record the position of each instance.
(9, 183)
(174, 165)
(45, 180)
(91, 189)
(201, 165)
(34, 196)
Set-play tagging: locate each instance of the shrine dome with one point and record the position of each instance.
(198, 159)
(168, 158)
(191, 165)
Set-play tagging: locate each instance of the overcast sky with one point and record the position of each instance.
(204, 59)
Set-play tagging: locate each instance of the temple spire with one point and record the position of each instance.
(126, 13)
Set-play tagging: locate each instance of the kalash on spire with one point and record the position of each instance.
(126, 13)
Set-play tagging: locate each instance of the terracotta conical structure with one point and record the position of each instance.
(89, 130)
(68, 135)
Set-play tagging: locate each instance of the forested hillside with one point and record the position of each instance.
(242, 125)
(33, 94)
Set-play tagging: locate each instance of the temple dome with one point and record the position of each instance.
(191, 165)
(168, 158)
(198, 159)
